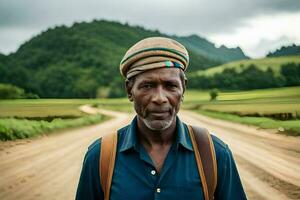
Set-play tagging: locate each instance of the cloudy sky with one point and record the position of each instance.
(257, 26)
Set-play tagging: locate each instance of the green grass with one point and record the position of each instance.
(272, 93)
(242, 107)
(264, 101)
(122, 105)
(291, 127)
(282, 96)
(28, 108)
(263, 64)
(58, 109)
(11, 129)
(258, 109)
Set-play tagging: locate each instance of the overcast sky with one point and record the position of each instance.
(257, 26)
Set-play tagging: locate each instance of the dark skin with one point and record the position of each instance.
(157, 95)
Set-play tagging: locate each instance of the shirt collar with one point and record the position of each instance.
(130, 138)
(183, 137)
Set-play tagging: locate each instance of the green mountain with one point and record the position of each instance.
(78, 61)
(286, 51)
(208, 49)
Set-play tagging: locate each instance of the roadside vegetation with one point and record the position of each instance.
(11, 128)
(29, 118)
(288, 127)
(277, 108)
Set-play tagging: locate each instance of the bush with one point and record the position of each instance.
(8, 91)
(11, 128)
(213, 94)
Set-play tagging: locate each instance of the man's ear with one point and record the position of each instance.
(183, 88)
(185, 83)
(128, 86)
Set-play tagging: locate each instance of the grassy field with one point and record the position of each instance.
(11, 128)
(28, 118)
(289, 127)
(263, 64)
(31, 108)
(262, 108)
(264, 101)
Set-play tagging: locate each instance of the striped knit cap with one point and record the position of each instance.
(152, 53)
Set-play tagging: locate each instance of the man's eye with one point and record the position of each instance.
(171, 86)
(147, 86)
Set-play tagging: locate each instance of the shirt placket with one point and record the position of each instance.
(158, 179)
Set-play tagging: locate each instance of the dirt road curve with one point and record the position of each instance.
(49, 167)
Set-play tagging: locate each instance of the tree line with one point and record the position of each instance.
(250, 78)
(286, 51)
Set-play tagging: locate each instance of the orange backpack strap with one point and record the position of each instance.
(107, 161)
(204, 154)
(205, 158)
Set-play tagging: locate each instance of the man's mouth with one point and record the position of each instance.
(162, 114)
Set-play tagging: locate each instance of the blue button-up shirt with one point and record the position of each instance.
(135, 176)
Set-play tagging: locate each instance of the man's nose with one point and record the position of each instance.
(159, 96)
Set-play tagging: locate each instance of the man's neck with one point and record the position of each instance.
(151, 138)
(156, 143)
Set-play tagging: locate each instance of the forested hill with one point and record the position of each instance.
(286, 51)
(204, 47)
(78, 61)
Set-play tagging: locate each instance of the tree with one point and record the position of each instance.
(213, 94)
(291, 73)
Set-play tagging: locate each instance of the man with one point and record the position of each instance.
(155, 158)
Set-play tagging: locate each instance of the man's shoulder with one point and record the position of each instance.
(95, 145)
(93, 151)
(222, 150)
(218, 143)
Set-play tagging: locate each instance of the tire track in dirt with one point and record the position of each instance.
(289, 190)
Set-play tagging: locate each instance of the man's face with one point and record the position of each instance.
(157, 96)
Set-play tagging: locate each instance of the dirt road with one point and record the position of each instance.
(49, 167)
(269, 164)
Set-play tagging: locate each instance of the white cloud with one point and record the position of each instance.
(12, 38)
(232, 22)
(263, 34)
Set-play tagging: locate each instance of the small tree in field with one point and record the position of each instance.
(213, 94)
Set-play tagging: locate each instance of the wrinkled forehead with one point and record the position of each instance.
(160, 74)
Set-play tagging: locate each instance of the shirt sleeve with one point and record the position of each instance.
(89, 186)
(229, 185)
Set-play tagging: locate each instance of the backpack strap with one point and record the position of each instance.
(107, 161)
(204, 154)
(205, 158)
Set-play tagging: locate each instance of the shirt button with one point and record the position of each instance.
(153, 172)
(158, 190)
